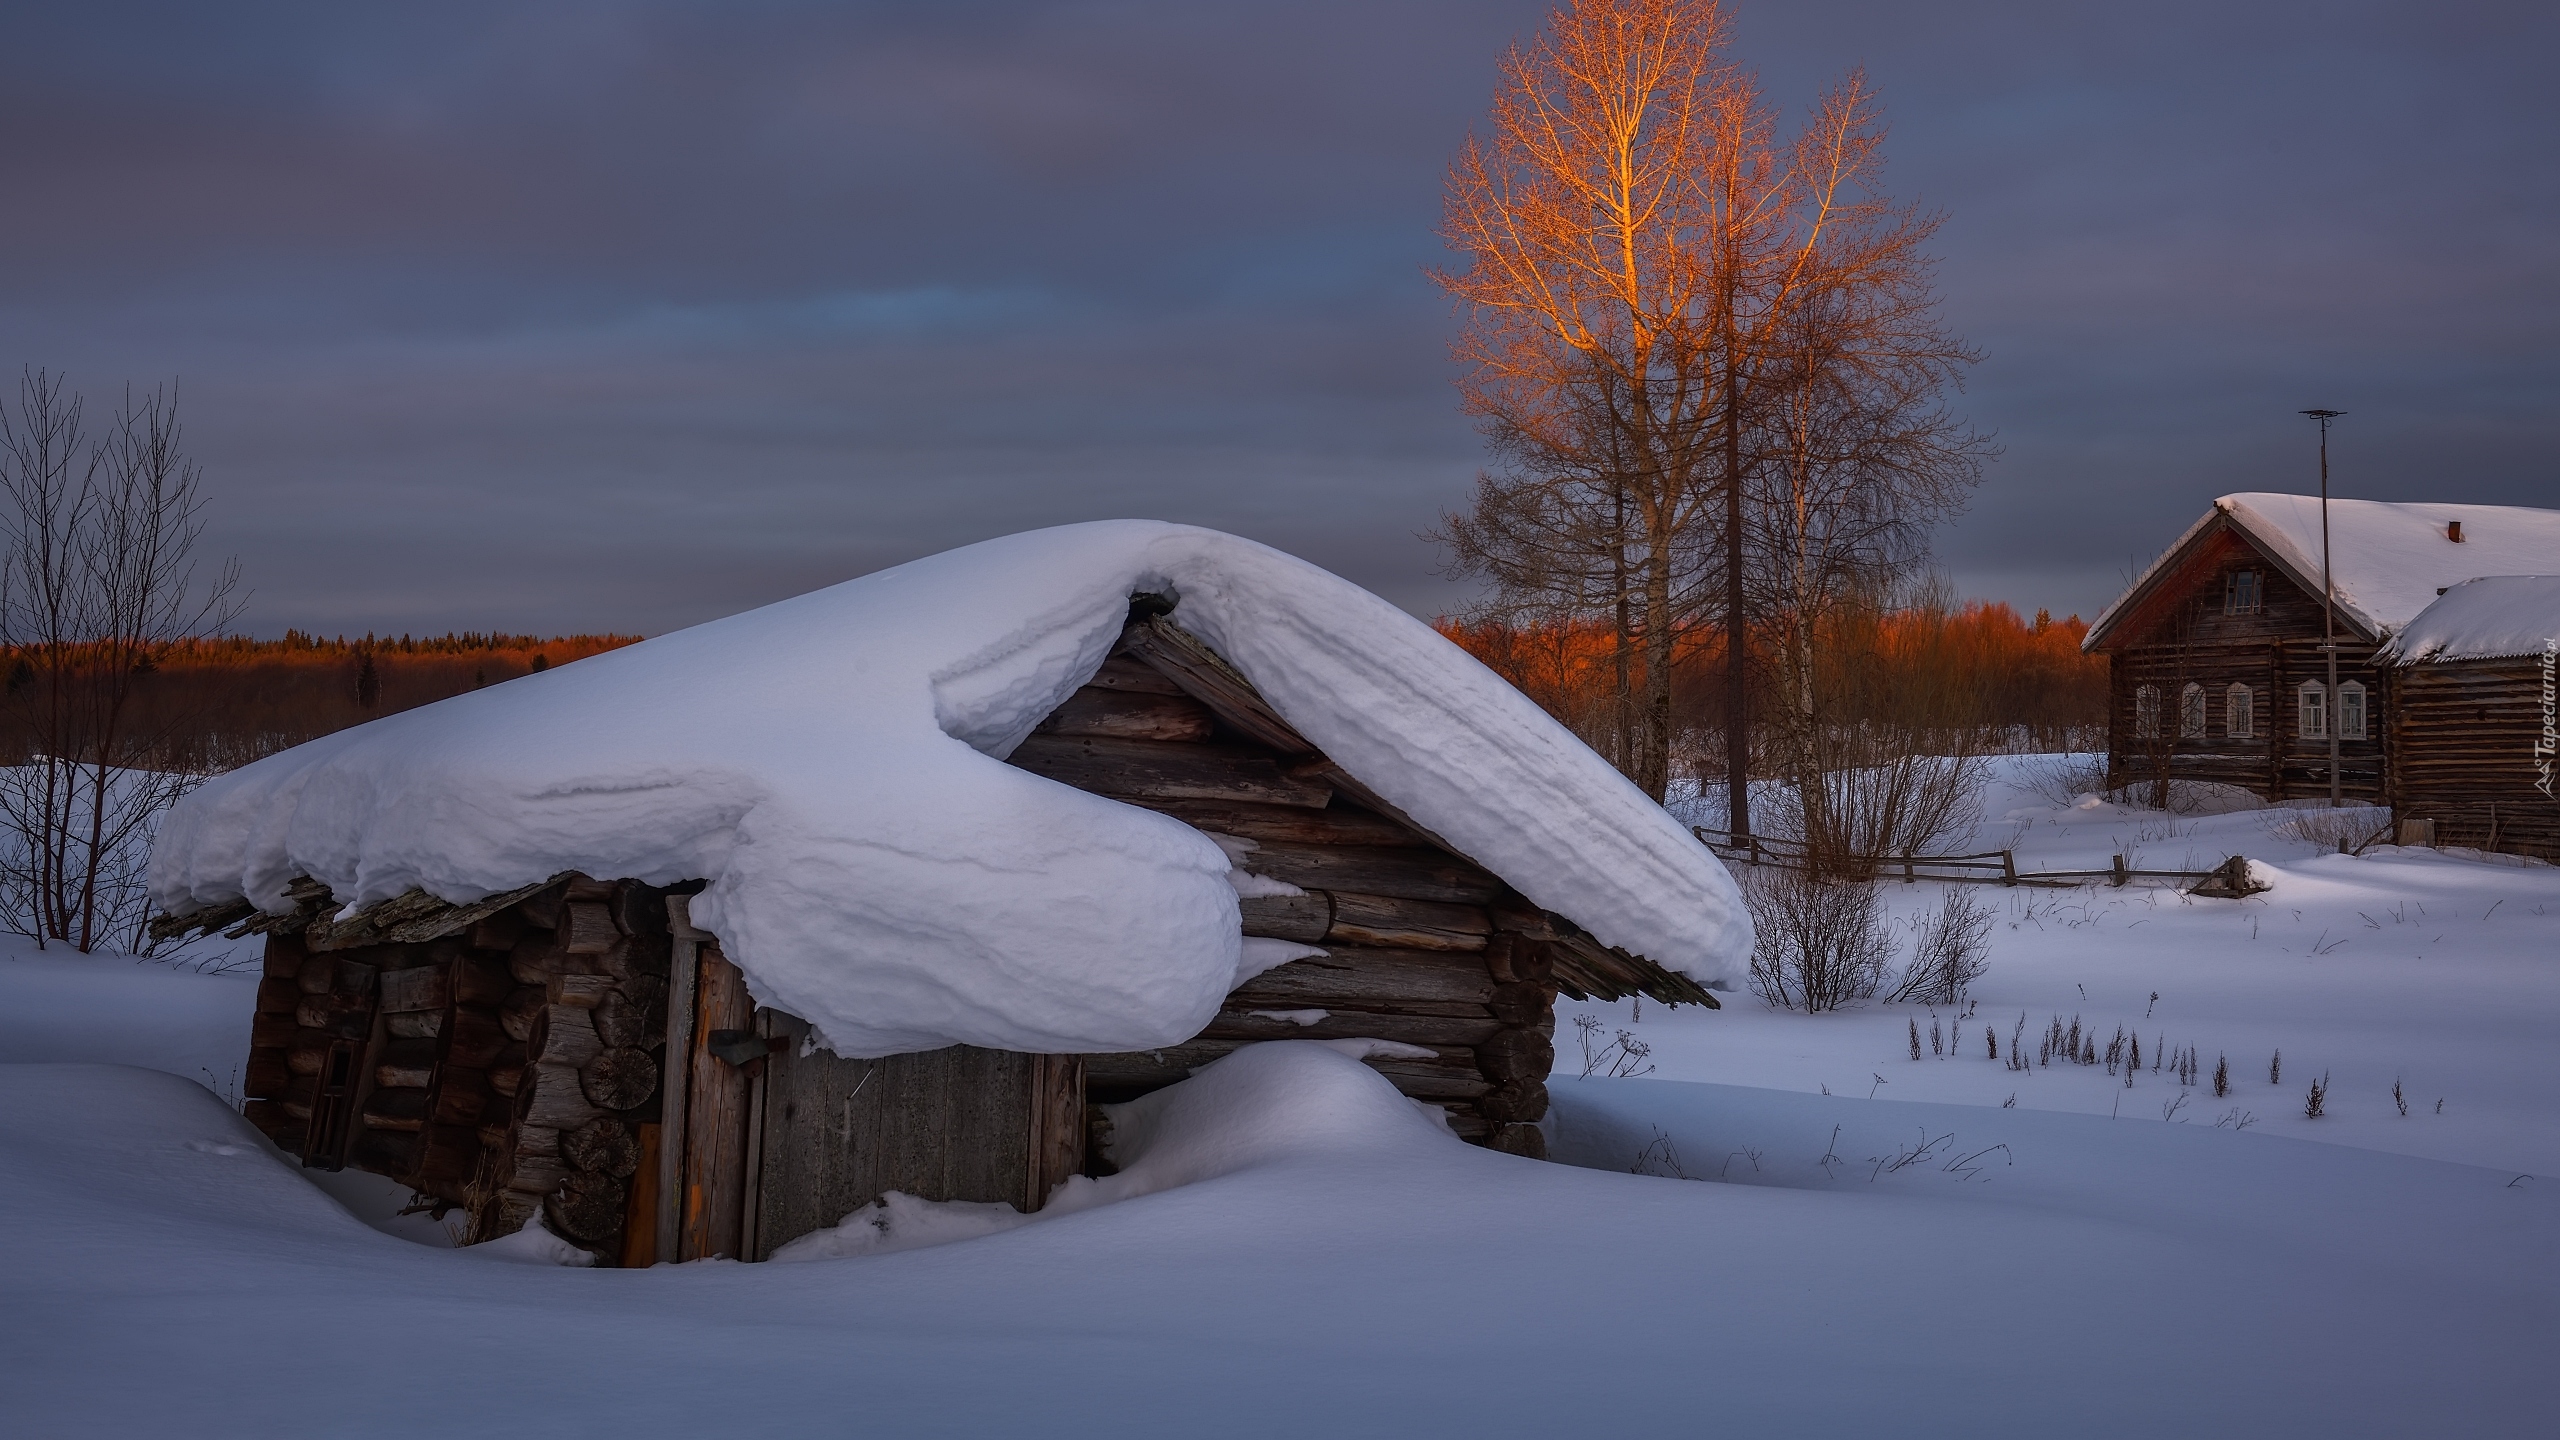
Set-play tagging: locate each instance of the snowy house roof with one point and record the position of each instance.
(833, 766)
(2495, 617)
(2390, 558)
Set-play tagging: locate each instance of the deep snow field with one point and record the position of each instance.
(1294, 1249)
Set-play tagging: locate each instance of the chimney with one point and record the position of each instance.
(2453, 531)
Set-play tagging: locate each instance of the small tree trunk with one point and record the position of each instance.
(1737, 683)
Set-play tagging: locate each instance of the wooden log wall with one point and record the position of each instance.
(508, 1068)
(2465, 733)
(1423, 947)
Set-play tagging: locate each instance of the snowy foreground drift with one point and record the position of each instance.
(1311, 1256)
(1326, 1261)
(832, 765)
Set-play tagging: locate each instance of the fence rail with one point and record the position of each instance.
(1986, 867)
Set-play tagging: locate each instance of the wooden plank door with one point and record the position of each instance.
(960, 1123)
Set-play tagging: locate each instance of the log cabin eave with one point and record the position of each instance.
(1585, 968)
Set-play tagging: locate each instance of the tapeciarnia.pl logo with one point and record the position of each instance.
(2548, 743)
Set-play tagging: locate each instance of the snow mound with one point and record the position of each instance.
(832, 766)
(2493, 618)
(532, 1245)
(1259, 1105)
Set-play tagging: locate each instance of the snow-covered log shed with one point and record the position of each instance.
(2475, 717)
(583, 1047)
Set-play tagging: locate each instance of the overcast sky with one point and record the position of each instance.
(618, 317)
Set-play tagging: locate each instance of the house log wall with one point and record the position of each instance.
(2464, 733)
(2187, 639)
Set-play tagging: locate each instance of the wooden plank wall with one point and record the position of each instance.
(960, 1123)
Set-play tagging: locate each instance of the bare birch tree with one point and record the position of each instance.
(1645, 262)
(97, 579)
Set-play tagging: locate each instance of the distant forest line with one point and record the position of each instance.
(218, 703)
(1977, 676)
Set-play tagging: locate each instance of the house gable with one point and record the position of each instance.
(2195, 596)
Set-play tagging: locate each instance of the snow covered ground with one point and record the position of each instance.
(2436, 972)
(1319, 1260)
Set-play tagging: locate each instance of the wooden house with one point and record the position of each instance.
(2475, 718)
(2217, 671)
(581, 1049)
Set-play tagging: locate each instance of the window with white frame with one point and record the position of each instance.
(2311, 708)
(2191, 713)
(2241, 594)
(2146, 712)
(2240, 712)
(2351, 710)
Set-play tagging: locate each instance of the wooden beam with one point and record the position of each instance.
(716, 1118)
(1161, 770)
(669, 1219)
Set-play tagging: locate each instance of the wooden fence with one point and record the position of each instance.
(1988, 867)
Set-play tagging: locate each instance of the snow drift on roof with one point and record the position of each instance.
(832, 765)
(2389, 557)
(2492, 618)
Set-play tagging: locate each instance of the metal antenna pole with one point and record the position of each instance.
(2328, 608)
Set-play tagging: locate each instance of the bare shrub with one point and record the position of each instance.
(1822, 942)
(1947, 953)
(1661, 1158)
(97, 584)
(1866, 793)
(2347, 830)
(2060, 780)
(2316, 1104)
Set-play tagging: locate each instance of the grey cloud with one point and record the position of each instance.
(621, 316)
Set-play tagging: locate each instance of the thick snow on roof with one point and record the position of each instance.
(832, 765)
(2492, 618)
(2389, 557)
